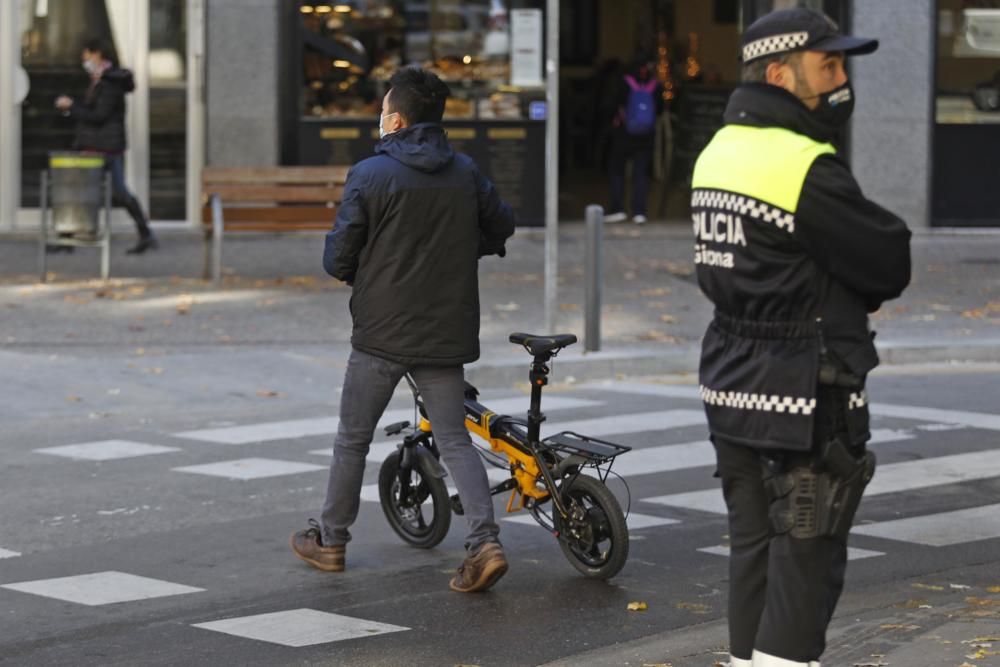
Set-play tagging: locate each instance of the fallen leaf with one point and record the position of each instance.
(637, 606)
(154, 371)
(897, 626)
(658, 336)
(569, 306)
(959, 587)
(694, 607)
(993, 589)
(983, 602)
(655, 291)
(929, 587)
(267, 393)
(507, 307)
(73, 399)
(668, 319)
(912, 604)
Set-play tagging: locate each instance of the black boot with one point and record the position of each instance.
(145, 243)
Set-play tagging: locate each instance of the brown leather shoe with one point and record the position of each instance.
(308, 545)
(480, 570)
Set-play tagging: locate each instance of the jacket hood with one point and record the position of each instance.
(120, 77)
(423, 147)
(764, 105)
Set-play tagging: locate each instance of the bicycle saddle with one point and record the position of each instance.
(539, 345)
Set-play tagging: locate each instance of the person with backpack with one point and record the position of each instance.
(640, 102)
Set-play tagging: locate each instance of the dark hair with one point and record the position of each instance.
(756, 71)
(418, 95)
(102, 46)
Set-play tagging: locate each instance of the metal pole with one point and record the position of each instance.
(10, 116)
(106, 240)
(593, 277)
(551, 162)
(43, 226)
(196, 110)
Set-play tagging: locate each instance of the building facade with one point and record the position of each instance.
(269, 82)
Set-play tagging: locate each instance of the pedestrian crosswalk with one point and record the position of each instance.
(670, 447)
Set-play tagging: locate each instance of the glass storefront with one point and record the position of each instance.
(489, 52)
(967, 114)
(168, 109)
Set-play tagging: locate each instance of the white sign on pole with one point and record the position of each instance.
(526, 47)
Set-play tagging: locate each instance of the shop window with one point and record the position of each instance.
(967, 113)
(350, 50)
(52, 34)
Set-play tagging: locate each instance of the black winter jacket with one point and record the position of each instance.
(100, 115)
(412, 225)
(795, 301)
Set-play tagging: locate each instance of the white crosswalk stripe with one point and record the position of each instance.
(942, 529)
(299, 627)
(301, 428)
(853, 553)
(889, 478)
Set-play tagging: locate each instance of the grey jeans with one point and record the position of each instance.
(368, 387)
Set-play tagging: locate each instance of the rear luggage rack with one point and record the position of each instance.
(596, 451)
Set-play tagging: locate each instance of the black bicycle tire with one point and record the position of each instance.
(441, 502)
(605, 499)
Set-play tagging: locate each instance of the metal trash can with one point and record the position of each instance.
(76, 193)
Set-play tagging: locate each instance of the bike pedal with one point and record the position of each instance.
(456, 505)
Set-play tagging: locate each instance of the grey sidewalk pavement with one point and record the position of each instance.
(948, 620)
(276, 294)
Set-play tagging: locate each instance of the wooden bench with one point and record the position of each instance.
(265, 199)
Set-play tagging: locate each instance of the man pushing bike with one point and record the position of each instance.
(413, 222)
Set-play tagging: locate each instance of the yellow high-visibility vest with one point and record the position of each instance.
(767, 163)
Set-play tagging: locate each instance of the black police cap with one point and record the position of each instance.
(799, 29)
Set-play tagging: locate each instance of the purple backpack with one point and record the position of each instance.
(640, 112)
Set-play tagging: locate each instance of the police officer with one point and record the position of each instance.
(794, 257)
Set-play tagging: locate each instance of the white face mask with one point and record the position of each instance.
(91, 67)
(381, 129)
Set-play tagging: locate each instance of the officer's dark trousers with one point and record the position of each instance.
(782, 589)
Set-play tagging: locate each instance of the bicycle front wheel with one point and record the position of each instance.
(415, 503)
(594, 538)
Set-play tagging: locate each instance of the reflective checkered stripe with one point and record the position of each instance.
(719, 200)
(760, 402)
(857, 400)
(788, 41)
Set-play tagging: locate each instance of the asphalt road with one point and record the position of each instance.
(156, 552)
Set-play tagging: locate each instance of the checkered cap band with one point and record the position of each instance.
(761, 402)
(721, 200)
(767, 46)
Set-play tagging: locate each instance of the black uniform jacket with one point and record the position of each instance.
(791, 300)
(414, 220)
(100, 115)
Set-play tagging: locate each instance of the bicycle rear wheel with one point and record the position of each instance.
(595, 538)
(416, 503)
